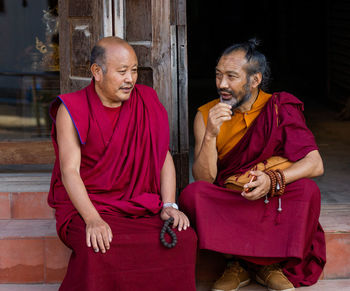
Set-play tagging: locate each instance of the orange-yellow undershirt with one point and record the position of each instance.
(233, 130)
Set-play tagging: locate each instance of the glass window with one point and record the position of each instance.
(29, 67)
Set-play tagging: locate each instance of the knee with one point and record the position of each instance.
(309, 190)
(189, 194)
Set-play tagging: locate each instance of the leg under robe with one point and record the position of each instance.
(228, 223)
(135, 261)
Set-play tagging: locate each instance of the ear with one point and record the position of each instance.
(96, 71)
(256, 80)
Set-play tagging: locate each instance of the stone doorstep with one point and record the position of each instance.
(12, 229)
(25, 182)
(25, 205)
(335, 218)
(29, 287)
(39, 236)
(322, 285)
(31, 252)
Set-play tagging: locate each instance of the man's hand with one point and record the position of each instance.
(180, 219)
(217, 115)
(98, 235)
(260, 187)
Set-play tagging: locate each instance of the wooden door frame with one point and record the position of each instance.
(165, 54)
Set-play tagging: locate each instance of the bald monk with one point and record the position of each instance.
(113, 182)
(253, 200)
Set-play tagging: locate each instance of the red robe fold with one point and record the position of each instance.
(228, 223)
(120, 168)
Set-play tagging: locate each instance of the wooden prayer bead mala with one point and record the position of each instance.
(273, 178)
(166, 228)
(282, 182)
(276, 177)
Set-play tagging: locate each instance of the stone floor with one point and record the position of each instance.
(322, 285)
(333, 138)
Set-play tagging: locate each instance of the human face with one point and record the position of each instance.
(232, 83)
(115, 85)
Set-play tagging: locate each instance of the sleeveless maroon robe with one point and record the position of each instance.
(120, 168)
(228, 223)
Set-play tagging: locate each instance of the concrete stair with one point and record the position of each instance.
(33, 258)
(30, 251)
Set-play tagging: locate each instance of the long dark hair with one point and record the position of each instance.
(256, 61)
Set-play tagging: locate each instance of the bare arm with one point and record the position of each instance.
(98, 233)
(205, 152)
(167, 191)
(308, 167)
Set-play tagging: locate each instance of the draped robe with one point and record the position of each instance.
(120, 168)
(228, 223)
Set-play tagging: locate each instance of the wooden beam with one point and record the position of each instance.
(26, 153)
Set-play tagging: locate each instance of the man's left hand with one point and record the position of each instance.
(261, 186)
(181, 221)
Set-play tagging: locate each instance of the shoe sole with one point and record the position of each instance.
(242, 284)
(260, 281)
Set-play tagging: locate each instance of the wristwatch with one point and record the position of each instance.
(171, 204)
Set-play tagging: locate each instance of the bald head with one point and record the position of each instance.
(106, 47)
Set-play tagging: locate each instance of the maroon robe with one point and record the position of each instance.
(120, 168)
(228, 223)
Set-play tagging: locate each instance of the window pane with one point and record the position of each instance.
(29, 67)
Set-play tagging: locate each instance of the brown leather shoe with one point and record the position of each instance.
(233, 278)
(273, 278)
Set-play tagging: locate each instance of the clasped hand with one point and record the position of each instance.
(260, 187)
(181, 221)
(220, 113)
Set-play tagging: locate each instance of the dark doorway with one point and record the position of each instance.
(293, 35)
(307, 44)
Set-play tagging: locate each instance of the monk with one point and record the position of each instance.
(113, 182)
(253, 200)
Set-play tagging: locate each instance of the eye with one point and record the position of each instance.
(218, 75)
(232, 76)
(134, 70)
(122, 72)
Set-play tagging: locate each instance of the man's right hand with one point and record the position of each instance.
(98, 234)
(218, 114)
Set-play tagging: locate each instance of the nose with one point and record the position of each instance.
(223, 83)
(128, 77)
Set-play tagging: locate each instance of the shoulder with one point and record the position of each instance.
(287, 98)
(145, 90)
(146, 93)
(149, 98)
(290, 108)
(206, 107)
(73, 96)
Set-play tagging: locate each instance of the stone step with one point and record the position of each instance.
(25, 182)
(24, 196)
(335, 220)
(322, 285)
(25, 205)
(29, 287)
(31, 252)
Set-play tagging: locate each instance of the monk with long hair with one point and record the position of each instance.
(253, 200)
